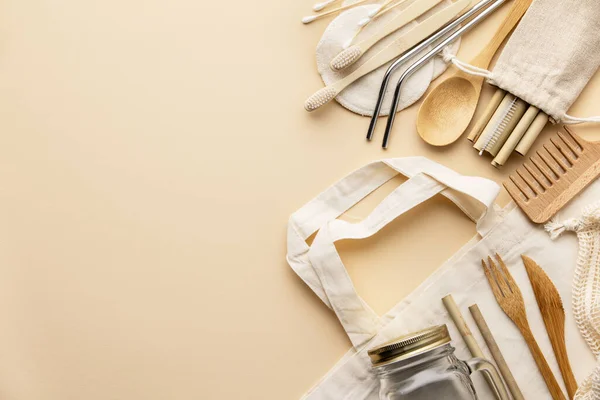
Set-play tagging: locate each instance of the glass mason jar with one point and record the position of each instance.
(422, 366)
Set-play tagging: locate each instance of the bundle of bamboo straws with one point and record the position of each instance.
(508, 124)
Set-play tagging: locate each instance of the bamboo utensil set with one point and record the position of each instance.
(510, 300)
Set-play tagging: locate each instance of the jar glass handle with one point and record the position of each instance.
(482, 365)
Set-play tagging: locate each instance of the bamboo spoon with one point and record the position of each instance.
(448, 109)
(553, 313)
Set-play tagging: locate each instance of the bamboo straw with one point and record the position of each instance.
(509, 379)
(532, 133)
(516, 135)
(493, 124)
(511, 121)
(465, 332)
(487, 115)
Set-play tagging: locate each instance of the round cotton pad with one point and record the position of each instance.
(361, 96)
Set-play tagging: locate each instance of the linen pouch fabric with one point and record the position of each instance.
(507, 232)
(552, 55)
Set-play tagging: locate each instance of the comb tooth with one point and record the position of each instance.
(576, 150)
(528, 181)
(549, 164)
(568, 155)
(515, 192)
(557, 157)
(574, 139)
(520, 186)
(538, 163)
(536, 176)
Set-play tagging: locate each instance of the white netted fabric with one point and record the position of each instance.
(586, 288)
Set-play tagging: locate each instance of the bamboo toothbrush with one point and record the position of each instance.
(310, 18)
(350, 55)
(399, 46)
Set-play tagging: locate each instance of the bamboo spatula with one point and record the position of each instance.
(556, 174)
(509, 298)
(553, 313)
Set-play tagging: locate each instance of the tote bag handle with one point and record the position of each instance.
(320, 266)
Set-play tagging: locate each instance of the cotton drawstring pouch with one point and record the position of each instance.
(507, 232)
(550, 57)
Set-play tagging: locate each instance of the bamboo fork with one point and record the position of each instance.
(510, 299)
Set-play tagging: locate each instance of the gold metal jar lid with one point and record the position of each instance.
(410, 345)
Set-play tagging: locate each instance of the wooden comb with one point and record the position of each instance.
(554, 175)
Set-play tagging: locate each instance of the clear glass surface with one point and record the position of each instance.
(436, 374)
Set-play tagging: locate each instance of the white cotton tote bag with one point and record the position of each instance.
(506, 232)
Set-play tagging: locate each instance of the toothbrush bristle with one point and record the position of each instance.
(321, 97)
(346, 58)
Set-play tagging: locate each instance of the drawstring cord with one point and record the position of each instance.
(569, 120)
(467, 68)
(463, 66)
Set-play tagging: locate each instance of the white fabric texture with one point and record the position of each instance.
(361, 96)
(507, 232)
(586, 288)
(552, 55)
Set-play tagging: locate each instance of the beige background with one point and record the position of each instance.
(150, 155)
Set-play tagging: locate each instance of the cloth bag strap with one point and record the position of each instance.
(320, 266)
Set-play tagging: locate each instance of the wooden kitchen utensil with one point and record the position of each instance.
(353, 53)
(509, 297)
(553, 313)
(393, 50)
(448, 109)
(556, 174)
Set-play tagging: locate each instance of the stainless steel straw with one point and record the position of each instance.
(415, 50)
(418, 64)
